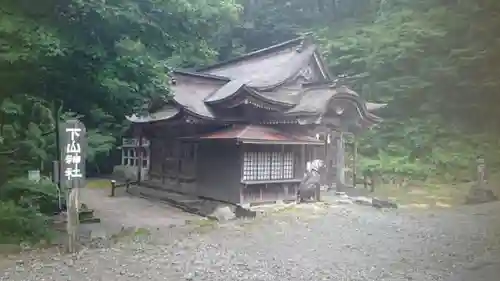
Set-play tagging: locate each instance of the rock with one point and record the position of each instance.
(361, 200)
(379, 204)
(480, 194)
(344, 201)
(242, 212)
(224, 213)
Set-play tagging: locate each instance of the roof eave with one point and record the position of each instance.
(271, 142)
(325, 72)
(202, 75)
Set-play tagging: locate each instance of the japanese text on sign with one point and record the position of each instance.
(73, 154)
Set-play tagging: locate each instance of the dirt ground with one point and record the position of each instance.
(129, 211)
(309, 242)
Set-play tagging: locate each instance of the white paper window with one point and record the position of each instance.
(261, 166)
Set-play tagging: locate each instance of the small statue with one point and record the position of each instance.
(481, 170)
(310, 186)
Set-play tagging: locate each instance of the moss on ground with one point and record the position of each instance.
(202, 225)
(98, 183)
(429, 195)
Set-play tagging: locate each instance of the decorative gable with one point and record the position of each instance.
(309, 73)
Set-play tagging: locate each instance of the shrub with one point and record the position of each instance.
(20, 224)
(41, 196)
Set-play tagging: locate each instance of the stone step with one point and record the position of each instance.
(202, 207)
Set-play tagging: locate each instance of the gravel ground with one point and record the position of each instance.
(340, 243)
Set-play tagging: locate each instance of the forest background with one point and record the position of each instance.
(434, 62)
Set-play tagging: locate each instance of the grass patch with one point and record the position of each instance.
(130, 233)
(288, 209)
(202, 225)
(425, 194)
(141, 232)
(98, 183)
(433, 194)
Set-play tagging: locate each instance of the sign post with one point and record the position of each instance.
(72, 174)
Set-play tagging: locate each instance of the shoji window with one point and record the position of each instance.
(262, 166)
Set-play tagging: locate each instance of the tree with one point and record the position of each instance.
(434, 62)
(99, 59)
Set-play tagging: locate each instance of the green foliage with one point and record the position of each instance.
(426, 60)
(98, 59)
(25, 207)
(21, 224)
(41, 196)
(434, 62)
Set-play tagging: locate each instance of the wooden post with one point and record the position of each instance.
(73, 138)
(178, 155)
(139, 150)
(303, 159)
(340, 178)
(354, 160)
(326, 160)
(163, 160)
(72, 219)
(113, 187)
(372, 182)
(195, 160)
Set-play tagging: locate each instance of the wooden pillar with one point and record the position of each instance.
(340, 161)
(163, 160)
(354, 160)
(178, 151)
(195, 168)
(139, 153)
(326, 162)
(303, 159)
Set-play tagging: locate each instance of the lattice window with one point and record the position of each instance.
(250, 166)
(288, 166)
(261, 166)
(130, 157)
(277, 166)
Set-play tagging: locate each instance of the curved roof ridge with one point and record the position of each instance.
(255, 53)
(277, 79)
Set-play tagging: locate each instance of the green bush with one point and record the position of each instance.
(19, 224)
(41, 196)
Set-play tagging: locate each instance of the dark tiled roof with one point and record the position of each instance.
(190, 92)
(286, 95)
(315, 102)
(259, 134)
(267, 74)
(164, 113)
(268, 71)
(257, 53)
(225, 91)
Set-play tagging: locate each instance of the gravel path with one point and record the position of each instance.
(342, 243)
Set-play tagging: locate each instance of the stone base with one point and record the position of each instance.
(480, 194)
